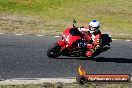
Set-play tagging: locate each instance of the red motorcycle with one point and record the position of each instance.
(74, 44)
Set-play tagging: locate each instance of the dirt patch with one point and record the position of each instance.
(14, 24)
(17, 24)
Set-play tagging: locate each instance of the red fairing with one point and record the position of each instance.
(70, 39)
(66, 32)
(61, 43)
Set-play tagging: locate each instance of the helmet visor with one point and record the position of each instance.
(94, 28)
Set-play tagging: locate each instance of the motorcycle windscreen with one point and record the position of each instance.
(75, 32)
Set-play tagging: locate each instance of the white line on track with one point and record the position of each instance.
(19, 81)
(39, 35)
(1, 33)
(57, 36)
(18, 34)
(114, 39)
(128, 40)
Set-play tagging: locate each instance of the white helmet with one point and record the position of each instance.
(94, 26)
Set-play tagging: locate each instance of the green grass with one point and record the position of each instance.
(68, 85)
(115, 15)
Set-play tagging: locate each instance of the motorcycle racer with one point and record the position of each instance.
(81, 41)
(93, 36)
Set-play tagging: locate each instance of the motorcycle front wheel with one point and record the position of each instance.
(54, 51)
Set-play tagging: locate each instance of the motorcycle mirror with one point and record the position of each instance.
(74, 21)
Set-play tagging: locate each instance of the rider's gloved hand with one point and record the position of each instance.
(97, 47)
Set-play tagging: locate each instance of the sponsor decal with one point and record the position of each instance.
(83, 78)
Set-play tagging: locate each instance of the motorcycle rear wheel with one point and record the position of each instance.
(54, 51)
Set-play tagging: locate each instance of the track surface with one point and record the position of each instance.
(25, 57)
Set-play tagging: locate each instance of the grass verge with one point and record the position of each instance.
(68, 85)
(51, 17)
(20, 24)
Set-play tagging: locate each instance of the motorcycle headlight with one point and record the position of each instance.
(81, 44)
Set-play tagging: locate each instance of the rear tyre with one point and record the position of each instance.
(54, 51)
(106, 39)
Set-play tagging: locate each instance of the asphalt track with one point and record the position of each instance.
(24, 56)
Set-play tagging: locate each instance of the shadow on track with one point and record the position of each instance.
(116, 60)
(101, 59)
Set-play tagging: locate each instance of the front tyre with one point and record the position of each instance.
(54, 51)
